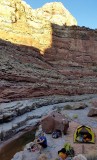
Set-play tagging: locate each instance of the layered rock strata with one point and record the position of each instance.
(23, 25)
(43, 52)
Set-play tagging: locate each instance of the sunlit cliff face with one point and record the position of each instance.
(23, 25)
(70, 53)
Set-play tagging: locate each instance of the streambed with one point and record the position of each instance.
(16, 145)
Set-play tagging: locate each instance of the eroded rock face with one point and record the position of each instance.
(23, 25)
(41, 53)
(92, 112)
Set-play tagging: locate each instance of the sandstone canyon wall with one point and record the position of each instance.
(43, 52)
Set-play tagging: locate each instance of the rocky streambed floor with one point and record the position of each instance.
(36, 108)
(54, 145)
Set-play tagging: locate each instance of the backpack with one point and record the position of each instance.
(56, 134)
(69, 149)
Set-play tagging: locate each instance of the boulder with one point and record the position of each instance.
(7, 117)
(92, 112)
(53, 121)
(80, 106)
(94, 102)
(75, 106)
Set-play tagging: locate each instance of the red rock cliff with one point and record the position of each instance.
(43, 52)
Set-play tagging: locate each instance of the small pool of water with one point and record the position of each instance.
(8, 151)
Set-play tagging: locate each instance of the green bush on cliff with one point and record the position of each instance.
(75, 116)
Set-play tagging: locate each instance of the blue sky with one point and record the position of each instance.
(85, 11)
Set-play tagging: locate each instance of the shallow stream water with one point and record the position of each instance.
(8, 151)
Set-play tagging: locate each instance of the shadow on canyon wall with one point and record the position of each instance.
(25, 73)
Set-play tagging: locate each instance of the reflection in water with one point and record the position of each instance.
(16, 145)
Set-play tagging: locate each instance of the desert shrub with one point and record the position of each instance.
(68, 107)
(75, 116)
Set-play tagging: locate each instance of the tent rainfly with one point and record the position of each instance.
(84, 134)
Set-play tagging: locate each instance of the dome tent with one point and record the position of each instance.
(84, 134)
